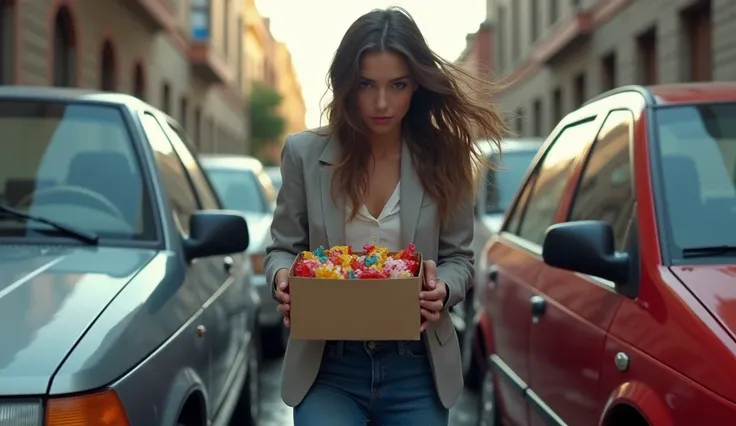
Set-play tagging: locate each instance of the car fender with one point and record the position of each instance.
(641, 397)
(184, 384)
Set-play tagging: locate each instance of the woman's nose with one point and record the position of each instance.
(381, 101)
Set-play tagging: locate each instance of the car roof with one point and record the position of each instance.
(68, 94)
(231, 161)
(678, 93)
(511, 145)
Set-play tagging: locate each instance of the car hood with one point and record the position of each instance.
(49, 296)
(715, 287)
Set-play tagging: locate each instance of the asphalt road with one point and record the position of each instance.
(275, 413)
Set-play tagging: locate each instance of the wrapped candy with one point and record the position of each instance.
(340, 262)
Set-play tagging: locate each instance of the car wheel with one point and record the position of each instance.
(488, 408)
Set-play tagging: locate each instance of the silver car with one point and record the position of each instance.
(242, 184)
(124, 299)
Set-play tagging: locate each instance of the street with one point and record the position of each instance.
(275, 413)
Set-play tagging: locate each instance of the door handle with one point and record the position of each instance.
(493, 273)
(227, 263)
(538, 305)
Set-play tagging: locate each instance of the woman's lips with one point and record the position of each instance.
(381, 120)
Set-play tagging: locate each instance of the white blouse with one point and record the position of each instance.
(383, 231)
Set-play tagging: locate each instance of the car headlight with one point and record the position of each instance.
(21, 413)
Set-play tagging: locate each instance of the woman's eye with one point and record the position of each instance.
(364, 85)
(400, 85)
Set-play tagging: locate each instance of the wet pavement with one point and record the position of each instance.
(275, 413)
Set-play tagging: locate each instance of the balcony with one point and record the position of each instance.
(568, 34)
(208, 64)
(155, 14)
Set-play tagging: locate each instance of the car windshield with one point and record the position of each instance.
(503, 183)
(72, 164)
(697, 145)
(238, 189)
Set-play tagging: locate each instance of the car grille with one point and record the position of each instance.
(21, 413)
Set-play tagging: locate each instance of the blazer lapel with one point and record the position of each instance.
(412, 194)
(333, 214)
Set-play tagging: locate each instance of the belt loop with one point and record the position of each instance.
(339, 348)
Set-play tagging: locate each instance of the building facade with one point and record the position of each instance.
(553, 55)
(292, 106)
(182, 56)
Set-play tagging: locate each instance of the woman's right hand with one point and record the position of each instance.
(282, 294)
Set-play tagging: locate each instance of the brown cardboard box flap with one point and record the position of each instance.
(357, 309)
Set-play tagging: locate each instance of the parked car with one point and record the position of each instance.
(123, 297)
(611, 293)
(496, 189)
(275, 174)
(243, 185)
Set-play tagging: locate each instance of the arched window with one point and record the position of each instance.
(7, 41)
(108, 74)
(139, 82)
(65, 49)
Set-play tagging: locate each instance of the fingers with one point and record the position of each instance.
(430, 274)
(431, 305)
(430, 316)
(282, 293)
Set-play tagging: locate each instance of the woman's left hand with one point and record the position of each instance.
(432, 297)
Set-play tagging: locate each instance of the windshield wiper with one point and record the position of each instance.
(83, 236)
(707, 251)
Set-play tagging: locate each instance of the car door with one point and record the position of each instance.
(229, 307)
(575, 311)
(516, 262)
(198, 278)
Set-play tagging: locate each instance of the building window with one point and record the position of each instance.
(108, 75)
(7, 41)
(519, 121)
(698, 28)
(534, 20)
(166, 98)
(538, 119)
(200, 19)
(65, 49)
(579, 90)
(557, 107)
(197, 128)
(139, 82)
(608, 71)
(646, 46)
(183, 113)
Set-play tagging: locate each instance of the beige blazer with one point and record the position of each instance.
(306, 217)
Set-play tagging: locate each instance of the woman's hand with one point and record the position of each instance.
(282, 294)
(432, 299)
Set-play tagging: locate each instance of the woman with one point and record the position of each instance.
(394, 166)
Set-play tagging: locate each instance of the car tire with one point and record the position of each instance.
(488, 414)
(248, 408)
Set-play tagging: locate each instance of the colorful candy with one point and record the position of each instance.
(340, 262)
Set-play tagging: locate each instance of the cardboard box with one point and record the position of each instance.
(358, 309)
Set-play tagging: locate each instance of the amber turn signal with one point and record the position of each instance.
(99, 409)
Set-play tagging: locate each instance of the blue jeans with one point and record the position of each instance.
(375, 383)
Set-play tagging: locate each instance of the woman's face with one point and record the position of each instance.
(385, 91)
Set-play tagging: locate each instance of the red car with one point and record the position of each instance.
(611, 290)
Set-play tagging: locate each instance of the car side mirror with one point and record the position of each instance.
(588, 247)
(216, 232)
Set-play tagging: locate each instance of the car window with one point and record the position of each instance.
(239, 189)
(175, 179)
(605, 191)
(503, 182)
(204, 191)
(552, 177)
(512, 225)
(74, 163)
(697, 155)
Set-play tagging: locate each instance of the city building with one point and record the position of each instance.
(258, 45)
(183, 56)
(292, 106)
(553, 55)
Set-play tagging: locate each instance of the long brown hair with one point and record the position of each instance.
(441, 127)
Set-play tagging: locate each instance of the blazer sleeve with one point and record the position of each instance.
(289, 228)
(455, 257)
